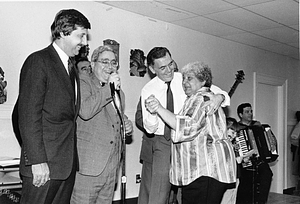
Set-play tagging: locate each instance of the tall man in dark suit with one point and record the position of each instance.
(48, 107)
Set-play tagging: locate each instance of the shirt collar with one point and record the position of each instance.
(63, 56)
(161, 82)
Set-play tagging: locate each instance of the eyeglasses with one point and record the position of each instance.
(106, 63)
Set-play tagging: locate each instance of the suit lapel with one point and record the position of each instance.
(62, 74)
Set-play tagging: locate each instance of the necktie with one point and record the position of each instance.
(170, 107)
(72, 75)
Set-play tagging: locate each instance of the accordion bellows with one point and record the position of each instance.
(258, 141)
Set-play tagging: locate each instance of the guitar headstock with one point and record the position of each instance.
(240, 76)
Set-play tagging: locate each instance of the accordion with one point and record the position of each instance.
(258, 141)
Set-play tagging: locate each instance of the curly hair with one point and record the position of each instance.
(200, 70)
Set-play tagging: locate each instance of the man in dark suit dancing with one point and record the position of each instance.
(48, 105)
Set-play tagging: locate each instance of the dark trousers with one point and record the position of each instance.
(155, 186)
(203, 190)
(53, 192)
(254, 184)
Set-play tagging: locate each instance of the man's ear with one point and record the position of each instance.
(61, 35)
(152, 69)
(92, 66)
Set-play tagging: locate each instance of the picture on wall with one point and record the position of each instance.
(3, 84)
(137, 63)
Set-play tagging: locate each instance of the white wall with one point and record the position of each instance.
(25, 27)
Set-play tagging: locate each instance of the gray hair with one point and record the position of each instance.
(200, 70)
(100, 50)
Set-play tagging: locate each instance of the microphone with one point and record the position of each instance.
(112, 89)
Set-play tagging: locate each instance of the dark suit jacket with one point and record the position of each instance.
(47, 114)
(98, 126)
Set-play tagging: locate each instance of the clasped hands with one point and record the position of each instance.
(152, 104)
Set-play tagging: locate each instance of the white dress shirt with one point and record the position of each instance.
(157, 87)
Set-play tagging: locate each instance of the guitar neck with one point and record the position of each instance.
(233, 88)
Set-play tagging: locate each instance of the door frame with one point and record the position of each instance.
(282, 87)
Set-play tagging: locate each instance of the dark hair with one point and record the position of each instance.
(241, 107)
(156, 53)
(231, 123)
(81, 59)
(66, 21)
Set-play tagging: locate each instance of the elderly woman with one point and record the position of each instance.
(203, 160)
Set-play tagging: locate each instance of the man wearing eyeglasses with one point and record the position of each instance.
(156, 146)
(99, 129)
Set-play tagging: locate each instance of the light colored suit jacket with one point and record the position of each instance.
(99, 126)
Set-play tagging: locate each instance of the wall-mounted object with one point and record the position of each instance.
(114, 45)
(3, 84)
(137, 63)
(83, 52)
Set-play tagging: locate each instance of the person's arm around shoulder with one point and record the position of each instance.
(224, 98)
(218, 98)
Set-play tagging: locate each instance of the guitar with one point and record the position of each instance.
(239, 79)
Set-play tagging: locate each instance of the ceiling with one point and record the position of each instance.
(270, 25)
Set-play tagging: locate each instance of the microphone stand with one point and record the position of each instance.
(123, 147)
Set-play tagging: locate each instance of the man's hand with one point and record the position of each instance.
(215, 101)
(128, 126)
(115, 79)
(152, 104)
(40, 174)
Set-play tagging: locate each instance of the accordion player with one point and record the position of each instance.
(257, 142)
